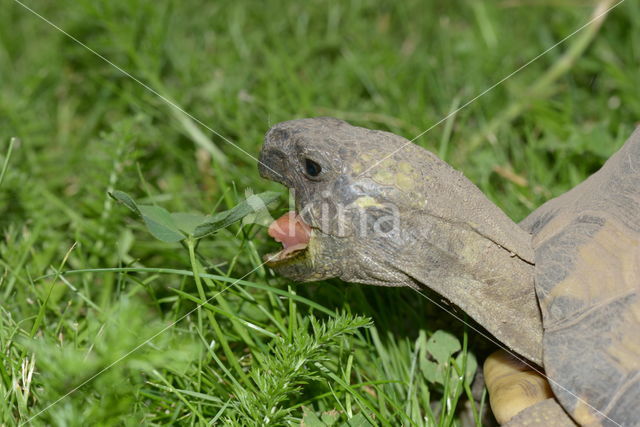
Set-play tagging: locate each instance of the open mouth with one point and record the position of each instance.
(293, 233)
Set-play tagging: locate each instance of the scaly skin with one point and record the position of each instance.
(386, 212)
(411, 220)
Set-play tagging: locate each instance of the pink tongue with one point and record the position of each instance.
(291, 231)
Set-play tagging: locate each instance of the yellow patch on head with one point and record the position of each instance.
(366, 202)
(366, 157)
(405, 167)
(384, 176)
(357, 168)
(405, 182)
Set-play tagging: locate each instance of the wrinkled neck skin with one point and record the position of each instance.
(493, 285)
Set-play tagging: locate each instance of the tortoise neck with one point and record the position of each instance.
(490, 283)
(502, 296)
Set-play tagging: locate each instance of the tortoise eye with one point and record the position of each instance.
(313, 169)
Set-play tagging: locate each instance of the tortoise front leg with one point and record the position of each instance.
(519, 395)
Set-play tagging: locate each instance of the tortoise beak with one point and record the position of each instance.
(273, 161)
(271, 164)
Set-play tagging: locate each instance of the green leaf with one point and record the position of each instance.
(158, 220)
(442, 345)
(262, 217)
(159, 223)
(330, 417)
(310, 419)
(431, 371)
(253, 203)
(187, 222)
(174, 227)
(472, 366)
(125, 199)
(358, 420)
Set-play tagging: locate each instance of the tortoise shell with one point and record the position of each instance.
(587, 279)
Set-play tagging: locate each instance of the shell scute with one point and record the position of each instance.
(587, 254)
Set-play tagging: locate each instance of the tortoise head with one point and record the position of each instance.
(355, 223)
(373, 208)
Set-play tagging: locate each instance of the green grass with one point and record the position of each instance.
(263, 350)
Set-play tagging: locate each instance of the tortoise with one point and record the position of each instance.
(560, 289)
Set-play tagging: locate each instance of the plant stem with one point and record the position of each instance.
(7, 158)
(195, 266)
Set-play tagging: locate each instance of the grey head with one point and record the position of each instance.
(385, 211)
